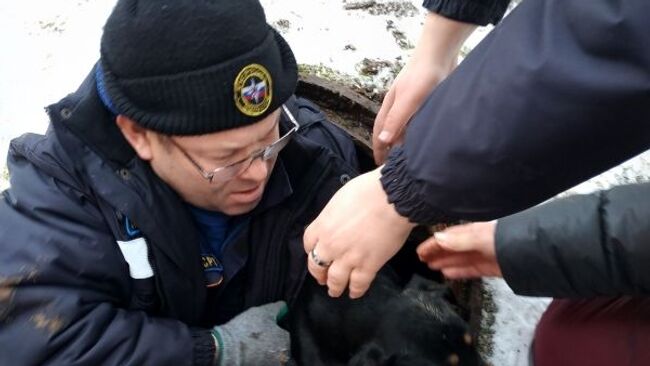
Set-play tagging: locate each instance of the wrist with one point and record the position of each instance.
(218, 347)
(204, 347)
(391, 213)
(441, 41)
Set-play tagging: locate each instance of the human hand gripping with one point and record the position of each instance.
(434, 58)
(463, 251)
(354, 236)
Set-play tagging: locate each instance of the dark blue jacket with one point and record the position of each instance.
(66, 295)
(558, 92)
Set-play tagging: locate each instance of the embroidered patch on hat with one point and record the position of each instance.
(253, 90)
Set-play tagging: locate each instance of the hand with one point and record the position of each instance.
(434, 58)
(253, 338)
(463, 251)
(358, 231)
(407, 93)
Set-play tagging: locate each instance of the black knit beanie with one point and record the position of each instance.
(189, 67)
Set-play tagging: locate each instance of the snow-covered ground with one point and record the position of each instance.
(48, 46)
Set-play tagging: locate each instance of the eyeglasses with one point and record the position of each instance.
(228, 172)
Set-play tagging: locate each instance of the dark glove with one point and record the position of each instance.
(253, 338)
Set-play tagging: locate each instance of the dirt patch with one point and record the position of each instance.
(374, 79)
(6, 293)
(282, 25)
(372, 67)
(17, 280)
(376, 76)
(400, 37)
(356, 5)
(486, 333)
(6, 301)
(396, 8)
(56, 25)
(51, 324)
(8, 290)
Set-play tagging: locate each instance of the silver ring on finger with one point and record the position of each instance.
(319, 261)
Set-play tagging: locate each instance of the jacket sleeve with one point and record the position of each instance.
(555, 94)
(65, 289)
(480, 12)
(586, 245)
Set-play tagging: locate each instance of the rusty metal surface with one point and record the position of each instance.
(350, 110)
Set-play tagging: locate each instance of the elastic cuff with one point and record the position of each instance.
(216, 336)
(403, 192)
(469, 11)
(204, 347)
(282, 315)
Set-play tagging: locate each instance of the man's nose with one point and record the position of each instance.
(258, 170)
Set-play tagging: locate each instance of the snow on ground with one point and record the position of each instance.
(49, 46)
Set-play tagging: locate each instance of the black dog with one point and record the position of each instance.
(390, 325)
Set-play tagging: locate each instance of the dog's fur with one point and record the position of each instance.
(390, 325)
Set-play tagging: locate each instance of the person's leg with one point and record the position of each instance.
(595, 332)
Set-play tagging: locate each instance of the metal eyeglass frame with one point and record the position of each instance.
(228, 172)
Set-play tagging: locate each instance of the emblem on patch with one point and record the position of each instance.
(253, 90)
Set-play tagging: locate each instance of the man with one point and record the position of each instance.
(169, 195)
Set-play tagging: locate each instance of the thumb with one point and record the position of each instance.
(456, 240)
(275, 307)
(379, 147)
(428, 249)
(395, 122)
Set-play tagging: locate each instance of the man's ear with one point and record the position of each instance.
(138, 137)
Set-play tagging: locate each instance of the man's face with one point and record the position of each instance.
(237, 196)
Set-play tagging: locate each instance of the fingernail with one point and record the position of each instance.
(440, 236)
(384, 136)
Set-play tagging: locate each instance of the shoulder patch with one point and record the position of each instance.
(136, 255)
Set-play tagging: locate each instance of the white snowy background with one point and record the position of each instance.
(48, 46)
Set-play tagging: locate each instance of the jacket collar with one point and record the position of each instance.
(83, 113)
